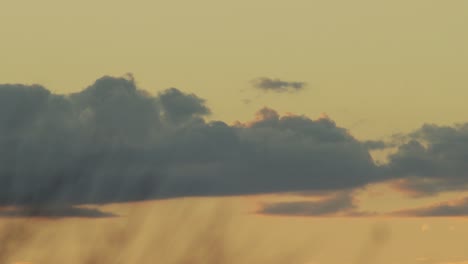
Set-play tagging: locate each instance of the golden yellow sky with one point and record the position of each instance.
(375, 67)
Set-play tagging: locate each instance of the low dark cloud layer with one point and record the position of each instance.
(345, 204)
(60, 212)
(277, 85)
(454, 208)
(338, 204)
(112, 142)
(428, 161)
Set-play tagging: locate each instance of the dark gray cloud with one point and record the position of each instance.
(433, 160)
(341, 203)
(455, 208)
(277, 85)
(112, 142)
(180, 107)
(376, 144)
(64, 212)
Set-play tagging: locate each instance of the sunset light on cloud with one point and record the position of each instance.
(323, 132)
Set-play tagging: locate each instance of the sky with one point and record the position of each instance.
(334, 129)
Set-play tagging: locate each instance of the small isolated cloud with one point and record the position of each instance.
(277, 85)
(451, 208)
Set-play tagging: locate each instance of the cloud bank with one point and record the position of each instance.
(113, 142)
(57, 213)
(453, 208)
(336, 204)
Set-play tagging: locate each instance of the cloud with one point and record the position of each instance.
(55, 212)
(180, 107)
(338, 204)
(277, 85)
(376, 144)
(433, 160)
(451, 208)
(113, 142)
(343, 203)
(417, 187)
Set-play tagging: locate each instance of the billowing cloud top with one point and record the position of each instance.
(277, 85)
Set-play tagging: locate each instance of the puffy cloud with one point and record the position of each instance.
(433, 160)
(277, 85)
(65, 150)
(112, 142)
(180, 107)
